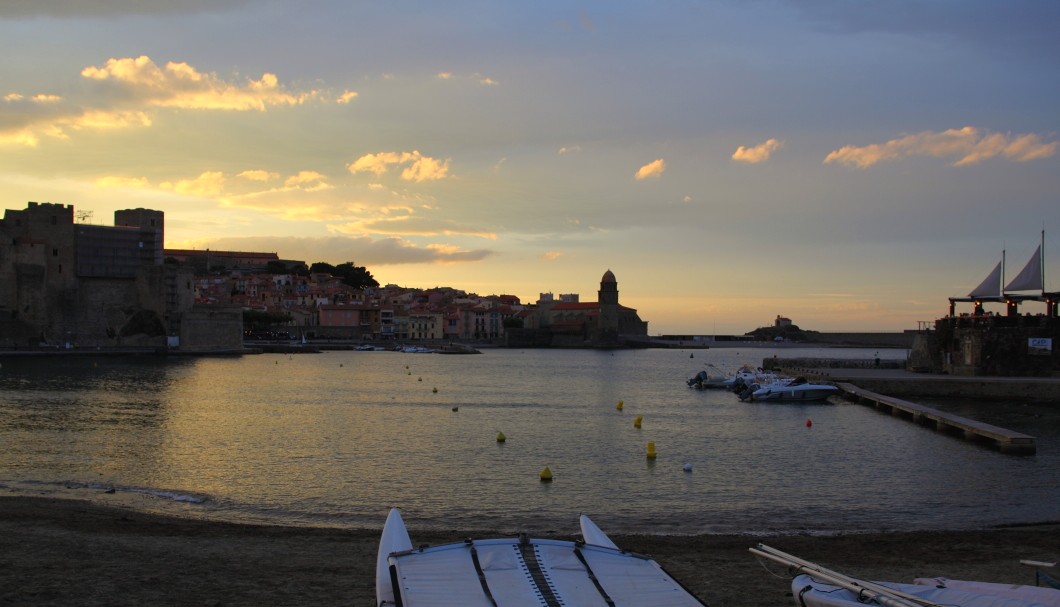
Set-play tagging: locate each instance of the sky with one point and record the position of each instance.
(849, 165)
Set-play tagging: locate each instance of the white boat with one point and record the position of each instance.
(520, 571)
(797, 389)
(815, 586)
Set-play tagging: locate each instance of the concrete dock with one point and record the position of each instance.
(1006, 441)
(883, 389)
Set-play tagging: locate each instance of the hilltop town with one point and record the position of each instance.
(70, 284)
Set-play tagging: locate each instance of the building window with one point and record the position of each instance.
(55, 252)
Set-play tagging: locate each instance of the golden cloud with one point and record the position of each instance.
(210, 183)
(652, 169)
(758, 153)
(347, 96)
(967, 145)
(116, 181)
(258, 175)
(551, 255)
(417, 166)
(182, 86)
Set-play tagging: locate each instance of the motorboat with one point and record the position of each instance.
(798, 389)
(816, 586)
(520, 571)
(711, 377)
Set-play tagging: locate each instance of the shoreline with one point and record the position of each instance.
(63, 552)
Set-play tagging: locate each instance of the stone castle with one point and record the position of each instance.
(68, 284)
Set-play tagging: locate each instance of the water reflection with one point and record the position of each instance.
(336, 438)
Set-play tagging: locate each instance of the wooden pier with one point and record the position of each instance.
(1007, 441)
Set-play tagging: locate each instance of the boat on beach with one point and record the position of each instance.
(520, 571)
(816, 586)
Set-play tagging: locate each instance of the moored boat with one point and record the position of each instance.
(520, 571)
(798, 389)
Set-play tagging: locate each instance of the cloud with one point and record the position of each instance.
(117, 181)
(363, 250)
(758, 153)
(310, 181)
(418, 167)
(124, 91)
(180, 85)
(14, 9)
(569, 149)
(258, 175)
(551, 255)
(445, 75)
(407, 224)
(652, 169)
(347, 96)
(208, 184)
(967, 146)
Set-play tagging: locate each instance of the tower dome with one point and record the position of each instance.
(608, 277)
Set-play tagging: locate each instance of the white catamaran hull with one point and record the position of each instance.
(518, 572)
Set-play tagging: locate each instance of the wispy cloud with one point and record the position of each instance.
(652, 169)
(417, 167)
(347, 96)
(363, 250)
(551, 255)
(125, 92)
(966, 146)
(258, 175)
(207, 184)
(758, 153)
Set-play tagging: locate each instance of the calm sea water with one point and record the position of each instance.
(337, 438)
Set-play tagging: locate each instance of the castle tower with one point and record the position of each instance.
(608, 301)
(152, 225)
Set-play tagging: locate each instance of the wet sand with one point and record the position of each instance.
(58, 552)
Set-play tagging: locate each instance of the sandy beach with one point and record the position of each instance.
(57, 552)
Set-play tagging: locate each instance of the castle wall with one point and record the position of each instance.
(214, 328)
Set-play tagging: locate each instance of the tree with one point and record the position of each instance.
(357, 277)
(321, 267)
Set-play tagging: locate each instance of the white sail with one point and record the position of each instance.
(991, 286)
(1030, 278)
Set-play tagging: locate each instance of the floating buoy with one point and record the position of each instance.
(340, 365)
(691, 354)
(688, 467)
(456, 408)
(636, 422)
(420, 379)
(651, 450)
(435, 390)
(619, 405)
(410, 372)
(546, 475)
(809, 423)
(501, 438)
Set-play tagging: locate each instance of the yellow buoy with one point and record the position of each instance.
(546, 475)
(420, 379)
(501, 438)
(651, 449)
(435, 390)
(619, 405)
(636, 422)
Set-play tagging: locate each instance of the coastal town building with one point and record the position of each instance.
(109, 286)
